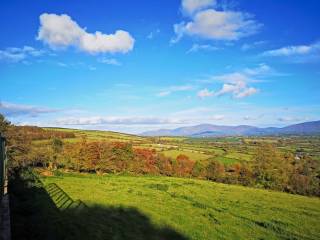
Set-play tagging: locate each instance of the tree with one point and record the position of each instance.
(215, 171)
(245, 175)
(164, 164)
(93, 156)
(305, 178)
(122, 155)
(57, 147)
(198, 170)
(271, 168)
(18, 147)
(183, 165)
(4, 123)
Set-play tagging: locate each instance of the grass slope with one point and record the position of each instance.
(195, 209)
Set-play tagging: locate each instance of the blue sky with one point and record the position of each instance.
(133, 66)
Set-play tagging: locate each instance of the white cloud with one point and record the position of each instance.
(115, 120)
(191, 6)
(237, 84)
(246, 92)
(14, 110)
(205, 93)
(262, 69)
(198, 47)
(110, 61)
(14, 54)
(60, 31)
(293, 50)
(173, 89)
(217, 25)
(237, 90)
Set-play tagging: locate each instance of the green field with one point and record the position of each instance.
(196, 156)
(127, 207)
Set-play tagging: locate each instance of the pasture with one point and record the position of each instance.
(129, 207)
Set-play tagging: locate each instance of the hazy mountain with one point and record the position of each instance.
(209, 130)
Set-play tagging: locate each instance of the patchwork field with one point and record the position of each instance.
(227, 150)
(127, 207)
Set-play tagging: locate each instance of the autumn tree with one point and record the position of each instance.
(305, 178)
(183, 165)
(4, 124)
(215, 171)
(198, 170)
(56, 147)
(271, 168)
(164, 164)
(18, 147)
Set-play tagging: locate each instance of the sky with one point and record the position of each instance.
(134, 66)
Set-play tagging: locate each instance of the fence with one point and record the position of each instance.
(3, 166)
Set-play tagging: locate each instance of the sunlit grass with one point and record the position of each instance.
(201, 209)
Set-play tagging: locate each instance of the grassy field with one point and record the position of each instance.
(196, 156)
(127, 207)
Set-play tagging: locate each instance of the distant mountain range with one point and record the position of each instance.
(209, 130)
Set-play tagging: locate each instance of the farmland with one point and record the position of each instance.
(226, 150)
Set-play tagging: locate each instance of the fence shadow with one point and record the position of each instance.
(61, 199)
(39, 213)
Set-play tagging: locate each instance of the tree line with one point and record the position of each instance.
(269, 169)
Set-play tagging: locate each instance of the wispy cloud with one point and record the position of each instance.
(15, 54)
(76, 65)
(248, 46)
(152, 34)
(14, 110)
(217, 117)
(205, 93)
(61, 64)
(110, 61)
(291, 119)
(202, 47)
(115, 120)
(173, 89)
(294, 50)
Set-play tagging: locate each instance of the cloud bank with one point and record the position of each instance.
(118, 120)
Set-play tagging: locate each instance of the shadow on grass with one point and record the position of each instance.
(34, 215)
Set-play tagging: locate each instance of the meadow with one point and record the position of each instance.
(145, 207)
